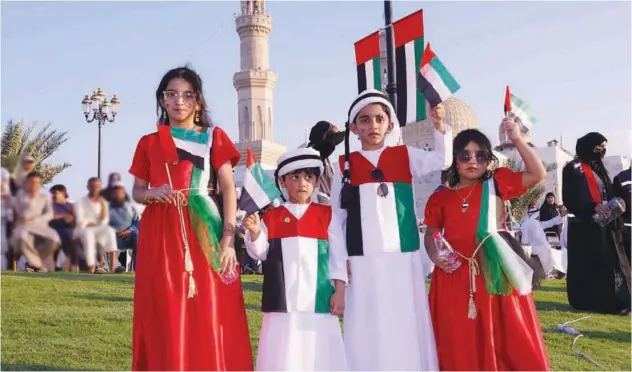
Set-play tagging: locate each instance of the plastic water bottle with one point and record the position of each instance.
(445, 252)
(616, 207)
(565, 328)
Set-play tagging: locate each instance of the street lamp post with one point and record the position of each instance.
(97, 107)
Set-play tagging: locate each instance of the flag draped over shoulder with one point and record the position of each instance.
(369, 66)
(409, 48)
(504, 271)
(435, 81)
(519, 108)
(258, 190)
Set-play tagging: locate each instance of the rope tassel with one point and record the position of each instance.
(471, 308)
(188, 263)
(180, 201)
(192, 287)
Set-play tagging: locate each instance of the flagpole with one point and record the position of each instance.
(391, 87)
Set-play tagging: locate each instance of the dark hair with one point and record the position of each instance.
(34, 174)
(460, 142)
(189, 75)
(313, 171)
(60, 188)
(346, 196)
(445, 176)
(93, 179)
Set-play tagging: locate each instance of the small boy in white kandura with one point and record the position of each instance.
(304, 273)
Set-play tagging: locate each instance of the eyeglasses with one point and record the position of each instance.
(480, 156)
(378, 175)
(172, 95)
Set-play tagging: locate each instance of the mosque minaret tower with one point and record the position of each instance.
(255, 82)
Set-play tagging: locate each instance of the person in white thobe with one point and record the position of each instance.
(387, 322)
(532, 231)
(33, 237)
(92, 213)
(300, 331)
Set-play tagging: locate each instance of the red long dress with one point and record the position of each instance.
(171, 331)
(506, 335)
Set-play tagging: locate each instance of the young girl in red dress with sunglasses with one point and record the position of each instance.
(483, 312)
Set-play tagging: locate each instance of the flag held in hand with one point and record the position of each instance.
(258, 190)
(434, 80)
(519, 108)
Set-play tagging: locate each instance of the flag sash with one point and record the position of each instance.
(504, 271)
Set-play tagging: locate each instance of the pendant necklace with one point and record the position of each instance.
(465, 204)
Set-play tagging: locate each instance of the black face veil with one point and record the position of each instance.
(585, 147)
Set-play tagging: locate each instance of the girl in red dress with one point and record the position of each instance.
(189, 309)
(496, 326)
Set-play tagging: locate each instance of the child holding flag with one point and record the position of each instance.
(304, 273)
(387, 323)
(496, 327)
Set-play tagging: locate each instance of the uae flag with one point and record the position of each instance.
(519, 108)
(259, 189)
(409, 47)
(435, 81)
(367, 52)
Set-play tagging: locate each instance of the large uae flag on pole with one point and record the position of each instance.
(409, 48)
(367, 52)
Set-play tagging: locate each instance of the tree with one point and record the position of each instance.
(18, 142)
(520, 205)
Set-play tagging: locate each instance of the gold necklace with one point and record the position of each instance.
(465, 204)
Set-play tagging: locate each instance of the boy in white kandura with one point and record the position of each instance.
(387, 323)
(304, 273)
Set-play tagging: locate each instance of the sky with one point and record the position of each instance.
(569, 60)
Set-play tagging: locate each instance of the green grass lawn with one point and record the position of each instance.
(84, 322)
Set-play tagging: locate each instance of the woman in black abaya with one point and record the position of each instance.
(598, 278)
(548, 211)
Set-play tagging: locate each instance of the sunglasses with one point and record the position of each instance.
(465, 157)
(378, 175)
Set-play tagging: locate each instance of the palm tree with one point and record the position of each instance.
(520, 205)
(18, 142)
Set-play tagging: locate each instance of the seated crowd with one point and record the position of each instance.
(97, 233)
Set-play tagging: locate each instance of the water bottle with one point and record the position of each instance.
(616, 207)
(565, 328)
(445, 252)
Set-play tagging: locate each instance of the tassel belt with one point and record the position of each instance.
(473, 272)
(180, 201)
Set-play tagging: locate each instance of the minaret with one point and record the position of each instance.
(254, 83)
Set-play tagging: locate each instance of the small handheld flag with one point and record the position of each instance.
(259, 190)
(507, 101)
(434, 80)
(520, 109)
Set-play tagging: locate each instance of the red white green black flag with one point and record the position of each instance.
(367, 52)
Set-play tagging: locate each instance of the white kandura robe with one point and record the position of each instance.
(301, 341)
(533, 234)
(387, 323)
